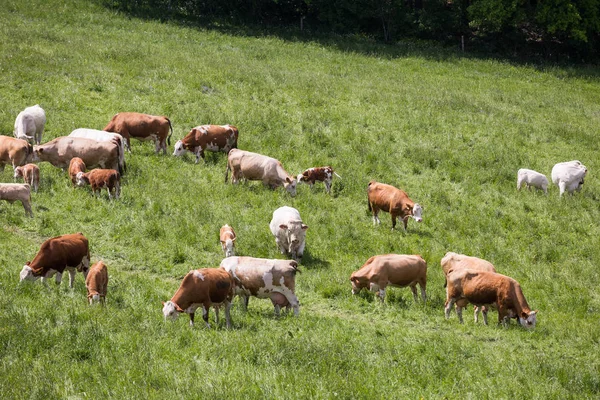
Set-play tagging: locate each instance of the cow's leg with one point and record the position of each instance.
(562, 187)
(328, 186)
(58, 278)
(228, 314)
(216, 307)
(413, 288)
(27, 207)
(72, 272)
(459, 313)
(198, 155)
(376, 220)
(192, 319)
(422, 287)
(448, 308)
(277, 308)
(476, 311)
(405, 222)
(108, 189)
(125, 134)
(484, 311)
(205, 309)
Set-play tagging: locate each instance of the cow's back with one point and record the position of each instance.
(455, 261)
(257, 276)
(386, 197)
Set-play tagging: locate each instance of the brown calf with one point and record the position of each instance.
(207, 137)
(321, 174)
(96, 282)
(30, 174)
(227, 238)
(393, 200)
(101, 178)
(75, 166)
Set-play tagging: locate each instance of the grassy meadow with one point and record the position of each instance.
(450, 130)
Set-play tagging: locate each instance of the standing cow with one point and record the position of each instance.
(103, 136)
(256, 167)
(142, 127)
(227, 238)
(67, 252)
(96, 283)
(395, 201)
(12, 192)
(529, 178)
(15, 152)
(99, 179)
(569, 176)
(30, 174)
(397, 270)
(289, 231)
(30, 124)
(207, 137)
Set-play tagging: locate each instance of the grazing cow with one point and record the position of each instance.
(395, 201)
(94, 154)
(396, 270)
(454, 262)
(30, 174)
(227, 238)
(142, 127)
(256, 167)
(486, 288)
(569, 176)
(531, 178)
(207, 137)
(99, 179)
(264, 278)
(30, 123)
(103, 136)
(202, 287)
(96, 282)
(67, 252)
(15, 152)
(289, 231)
(75, 167)
(321, 174)
(12, 192)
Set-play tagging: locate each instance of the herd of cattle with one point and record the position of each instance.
(468, 279)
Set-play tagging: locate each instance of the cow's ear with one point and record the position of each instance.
(304, 227)
(524, 315)
(40, 150)
(407, 207)
(288, 180)
(28, 263)
(233, 240)
(163, 303)
(283, 226)
(178, 308)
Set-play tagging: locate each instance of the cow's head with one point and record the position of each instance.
(356, 284)
(295, 232)
(179, 149)
(34, 157)
(18, 172)
(171, 310)
(300, 178)
(528, 320)
(27, 274)
(290, 185)
(416, 212)
(227, 246)
(81, 179)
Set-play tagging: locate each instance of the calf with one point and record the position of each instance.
(454, 262)
(202, 287)
(30, 124)
(530, 178)
(207, 137)
(99, 179)
(75, 167)
(395, 201)
(264, 278)
(15, 152)
(30, 174)
(569, 176)
(397, 270)
(142, 127)
(253, 166)
(67, 252)
(289, 231)
(96, 282)
(12, 192)
(486, 288)
(321, 174)
(227, 238)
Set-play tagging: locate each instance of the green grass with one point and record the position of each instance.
(451, 131)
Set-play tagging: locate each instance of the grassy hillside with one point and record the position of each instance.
(450, 131)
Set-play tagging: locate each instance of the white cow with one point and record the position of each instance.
(102, 136)
(569, 176)
(289, 231)
(30, 123)
(531, 178)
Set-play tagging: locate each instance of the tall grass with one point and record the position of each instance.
(452, 132)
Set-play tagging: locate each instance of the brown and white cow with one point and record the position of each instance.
(12, 192)
(264, 278)
(454, 262)
(15, 152)
(99, 179)
(94, 154)
(96, 282)
(256, 167)
(202, 287)
(393, 200)
(207, 137)
(76, 165)
(487, 288)
(67, 252)
(321, 174)
(30, 174)
(396, 270)
(142, 127)
(227, 238)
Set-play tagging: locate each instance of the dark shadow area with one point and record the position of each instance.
(309, 262)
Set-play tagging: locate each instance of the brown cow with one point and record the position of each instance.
(321, 174)
(142, 127)
(202, 287)
(486, 288)
(12, 192)
(227, 238)
(397, 270)
(67, 252)
(101, 178)
(96, 283)
(395, 201)
(454, 262)
(207, 137)
(75, 167)
(30, 174)
(15, 152)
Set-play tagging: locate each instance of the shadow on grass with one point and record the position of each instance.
(311, 262)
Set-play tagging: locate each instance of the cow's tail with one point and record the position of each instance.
(369, 205)
(227, 171)
(336, 174)
(171, 127)
(120, 157)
